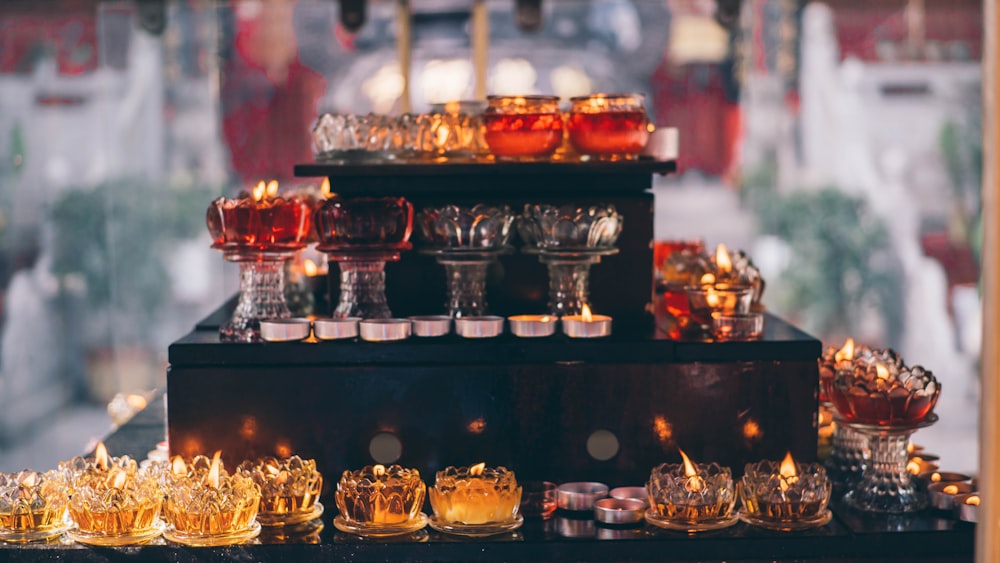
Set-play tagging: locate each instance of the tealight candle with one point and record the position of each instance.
(532, 326)
(379, 501)
(929, 477)
(206, 506)
(786, 496)
(691, 497)
(917, 465)
(33, 506)
(290, 489)
(722, 298)
(586, 325)
(967, 507)
(475, 500)
(943, 495)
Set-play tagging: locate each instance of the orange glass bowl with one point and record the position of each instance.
(523, 127)
(246, 224)
(608, 126)
(364, 222)
(884, 393)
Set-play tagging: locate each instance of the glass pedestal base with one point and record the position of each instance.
(262, 296)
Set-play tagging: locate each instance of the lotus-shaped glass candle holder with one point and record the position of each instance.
(608, 126)
(33, 506)
(523, 127)
(290, 489)
(362, 234)
(475, 501)
(260, 231)
(378, 501)
(785, 495)
(849, 453)
(568, 240)
(121, 507)
(886, 400)
(691, 497)
(465, 240)
(206, 506)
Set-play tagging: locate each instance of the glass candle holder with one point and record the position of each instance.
(475, 501)
(120, 508)
(538, 499)
(206, 506)
(719, 298)
(523, 127)
(33, 506)
(289, 489)
(362, 234)
(738, 326)
(608, 126)
(260, 231)
(691, 497)
(786, 495)
(377, 501)
(880, 390)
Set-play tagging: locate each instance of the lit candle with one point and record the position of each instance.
(691, 497)
(380, 501)
(290, 489)
(586, 324)
(532, 326)
(33, 505)
(205, 505)
(785, 496)
(943, 496)
(475, 495)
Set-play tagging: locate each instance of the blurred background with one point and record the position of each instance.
(838, 142)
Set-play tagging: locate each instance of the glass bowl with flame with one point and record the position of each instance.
(691, 497)
(608, 126)
(476, 501)
(33, 506)
(376, 501)
(290, 489)
(785, 495)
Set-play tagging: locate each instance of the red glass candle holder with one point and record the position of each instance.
(523, 127)
(608, 126)
(880, 390)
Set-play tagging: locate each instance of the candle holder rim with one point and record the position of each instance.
(608, 95)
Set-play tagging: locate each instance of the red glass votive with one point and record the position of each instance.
(262, 224)
(608, 126)
(364, 222)
(523, 127)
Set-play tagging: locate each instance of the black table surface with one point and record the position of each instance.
(927, 536)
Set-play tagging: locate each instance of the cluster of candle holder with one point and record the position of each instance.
(883, 401)
(708, 296)
(519, 128)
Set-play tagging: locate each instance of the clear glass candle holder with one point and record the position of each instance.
(475, 501)
(724, 299)
(737, 326)
(121, 508)
(608, 126)
(379, 501)
(785, 496)
(33, 506)
(691, 497)
(523, 127)
(206, 506)
(290, 489)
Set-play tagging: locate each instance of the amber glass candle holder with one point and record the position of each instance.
(691, 497)
(260, 231)
(33, 506)
(206, 506)
(289, 489)
(475, 501)
(849, 453)
(361, 235)
(523, 127)
(608, 126)
(376, 501)
(785, 496)
(122, 507)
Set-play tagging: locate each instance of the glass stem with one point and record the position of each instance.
(886, 486)
(466, 287)
(262, 296)
(569, 287)
(362, 290)
(848, 457)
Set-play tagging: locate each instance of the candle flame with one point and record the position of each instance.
(694, 483)
(846, 353)
(259, 191)
(972, 500)
(119, 480)
(212, 480)
(324, 188)
(101, 456)
(378, 470)
(272, 188)
(29, 480)
(913, 467)
(910, 447)
(477, 469)
(787, 472)
(935, 477)
(712, 298)
(882, 372)
(708, 279)
(950, 490)
(309, 267)
(545, 318)
(452, 107)
(722, 260)
(178, 467)
(585, 314)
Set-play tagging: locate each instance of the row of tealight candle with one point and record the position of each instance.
(585, 325)
(113, 501)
